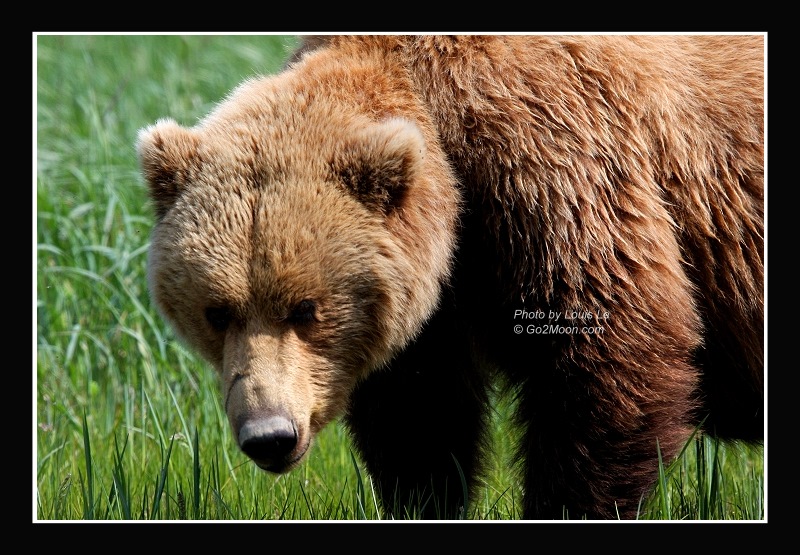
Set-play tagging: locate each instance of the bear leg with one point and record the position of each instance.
(413, 420)
(593, 453)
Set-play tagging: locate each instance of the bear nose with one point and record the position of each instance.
(269, 441)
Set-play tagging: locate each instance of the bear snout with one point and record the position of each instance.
(271, 442)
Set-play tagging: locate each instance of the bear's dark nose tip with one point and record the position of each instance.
(268, 441)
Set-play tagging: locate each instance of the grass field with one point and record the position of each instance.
(128, 424)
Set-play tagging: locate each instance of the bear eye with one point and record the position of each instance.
(219, 317)
(303, 312)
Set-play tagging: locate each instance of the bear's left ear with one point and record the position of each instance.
(166, 152)
(378, 163)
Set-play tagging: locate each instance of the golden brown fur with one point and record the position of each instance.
(354, 235)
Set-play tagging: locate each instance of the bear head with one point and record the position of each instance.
(299, 244)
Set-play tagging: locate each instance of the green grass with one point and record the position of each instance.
(128, 422)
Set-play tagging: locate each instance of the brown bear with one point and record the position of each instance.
(393, 225)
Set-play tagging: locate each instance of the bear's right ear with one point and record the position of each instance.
(167, 152)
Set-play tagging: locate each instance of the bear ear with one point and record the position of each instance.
(378, 163)
(166, 152)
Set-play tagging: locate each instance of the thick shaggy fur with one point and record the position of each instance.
(358, 235)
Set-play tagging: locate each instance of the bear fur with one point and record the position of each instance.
(359, 235)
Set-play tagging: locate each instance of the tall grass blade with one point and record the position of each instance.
(360, 495)
(463, 511)
(309, 504)
(196, 476)
(88, 500)
(666, 512)
(161, 483)
(121, 486)
(701, 476)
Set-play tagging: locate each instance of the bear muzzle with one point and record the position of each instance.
(272, 441)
